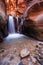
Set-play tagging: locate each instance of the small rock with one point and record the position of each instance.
(41, 43)
(36, 46)
(30, 62)
(11, 58)
(21, 63)
(33, 59)
(24, 52)
(2, 50)
(15, 49)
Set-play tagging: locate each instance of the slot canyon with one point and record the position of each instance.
(21, 32)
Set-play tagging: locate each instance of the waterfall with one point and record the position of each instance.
(17, 19)
(11, 25)
(12, 34)
(17, 24)
(22, 20)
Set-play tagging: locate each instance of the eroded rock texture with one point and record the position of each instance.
(16, 7)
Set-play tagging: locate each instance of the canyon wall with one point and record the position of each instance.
(3, 21)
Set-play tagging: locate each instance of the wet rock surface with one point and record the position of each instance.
(21, 63)
(3, 28)
(31, 29)
(11, 54)
(2, 50)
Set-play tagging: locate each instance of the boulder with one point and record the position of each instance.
(24, 53)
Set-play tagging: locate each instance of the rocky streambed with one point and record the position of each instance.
(24, 51)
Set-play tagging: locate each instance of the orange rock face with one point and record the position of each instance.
(16, 8)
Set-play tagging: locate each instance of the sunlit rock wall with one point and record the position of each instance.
(16, 7)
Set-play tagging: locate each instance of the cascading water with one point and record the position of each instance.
(17, 24)
(17, 19)
(22, 20)
(12, 34)
(11, 25)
